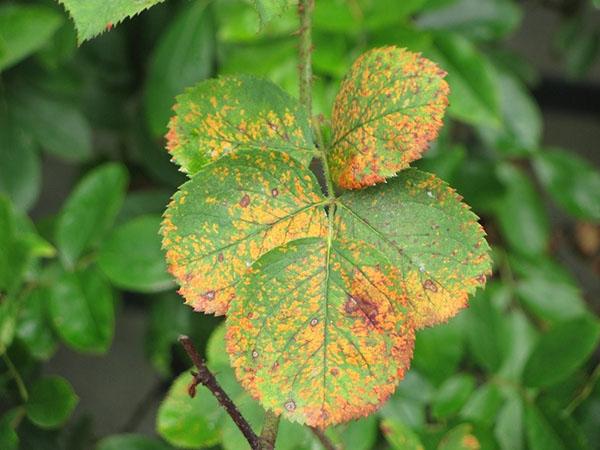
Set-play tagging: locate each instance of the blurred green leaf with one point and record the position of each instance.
(270, 9)
(58, 126)
(189, 422)
(143, 202)
(578, 41)
(521, 215)
(474, 94)
(8, 322)
(20, 172)
(460, 438)
(131, 442)
(399, 436)
(522, 338)
(169, 318)
(51, 402)
(522, 131)
(478, 183)
(92, 17)
(34, 328)
(540, 434)
(477, 19)
(24, 29)
(358, 434)
(452, 395)
(408, 403)
(483, 406)
(82, 310)
(132, 259)
(439, 349)
(90, 210)
(571, 181)
(551, 299)
(183, 56)
(561, 350)
(9, 440)
(509, 424)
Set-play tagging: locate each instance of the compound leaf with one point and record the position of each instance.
(92, 17)
(319, 331)
(389, 108)
(429, 234)
(235, 113)
(232, 212)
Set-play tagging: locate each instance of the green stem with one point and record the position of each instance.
(585, 392)
(17, 377)
(268, 435)
(305, 8)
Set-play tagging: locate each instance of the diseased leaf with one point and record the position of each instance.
(431, 236)
(388, 109)
(232, 212)
(319, 332)
(92, 17)
(399, 436)
(460, 438)
(236, 113)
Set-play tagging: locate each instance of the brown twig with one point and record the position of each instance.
(205, 377)
(320, 434)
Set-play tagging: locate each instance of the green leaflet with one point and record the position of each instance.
(235, 113)
(270, 9)
(92, 17)
(319, 331)
(231, 213)
(429, 234)
(387, 111)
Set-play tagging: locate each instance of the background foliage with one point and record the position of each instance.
(518, 369)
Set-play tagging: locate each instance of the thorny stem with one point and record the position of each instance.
(17, 377)
(305, 8)
(269, 431)
(207, 379)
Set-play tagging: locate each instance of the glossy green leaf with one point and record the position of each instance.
(474, 96)
(431, 236)
(131, 257)
(232, 114)
(478, 19)
(92, 17)
(131, 442)
(571, 181)
(189, 422)
(51, 402)
(20, 172)
(552, 361)
(387, 111)
(184, 55)
(24, 29)
(343, 322)
(82, 310)
(34, 328)
(232, 212)
(550, 298)
(452, 395)
(521, 214)
(460, 437)
(399, 436)
(90, 210)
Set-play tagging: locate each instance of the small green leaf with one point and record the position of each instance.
(552, 361)
(51, 402)
(143, 202)
(231, 114)
(521, 214)
(399, 436)
(452, 395)
(522, 337)
(90, 210)
(131, 442)
(189, 422)
(571, 181)
(184, 55)
(460, 438)
(232, 212)
(474, 96)
(387, 111)
(92, 17)
(24, 29)
(9, 440)
(34, 327)
(540, 435)
(510, 424)
(82, 310)
(270, 9)
(483, 406)
(439, 350)
(132, 259)
(425, 234)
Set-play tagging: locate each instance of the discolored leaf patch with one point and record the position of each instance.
(389, 108)
(232, 212)
(236, 113)
(319, 332)
(429, 235)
